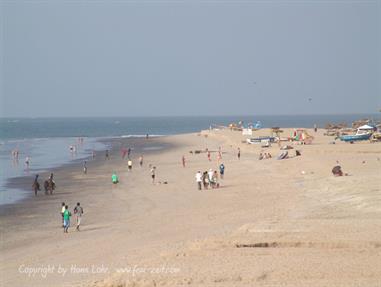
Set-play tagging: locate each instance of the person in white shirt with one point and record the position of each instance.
(199, 179)
(210, 177)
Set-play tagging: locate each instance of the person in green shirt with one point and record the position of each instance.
(114, 178)
(66, 216)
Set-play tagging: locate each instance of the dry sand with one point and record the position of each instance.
(272, 223)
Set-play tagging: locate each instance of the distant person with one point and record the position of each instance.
(27, 162)
(199, 179)
(78, 211)
(141, 160)
(128, 152)
(239, 154)
(222, 170)
(93, 154)
(210, 178)
(153, 174)
(124, 152)
(36, 185)
(85, 167)
(315, 128)
(205, 179)
(114, 178)
(62, 213)
(107, 156)
(183, 160)
(66, 216)
(209, 156)
(129, 164)
(219, 156)
(215, 183)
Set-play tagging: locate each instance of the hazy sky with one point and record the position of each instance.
(139, 58)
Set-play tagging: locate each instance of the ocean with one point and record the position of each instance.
(46, 141)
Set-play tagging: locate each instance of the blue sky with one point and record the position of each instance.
(130, 58)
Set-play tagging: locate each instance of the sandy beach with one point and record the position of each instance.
(271, 223)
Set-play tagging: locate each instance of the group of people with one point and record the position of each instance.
(66, 214)
(49, 185)
(265, 155)
(210, 179)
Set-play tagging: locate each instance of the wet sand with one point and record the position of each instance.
(272, 223)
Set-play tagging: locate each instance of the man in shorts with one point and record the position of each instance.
(78, 211)
(66, 217)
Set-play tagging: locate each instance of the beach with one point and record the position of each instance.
(270, 223)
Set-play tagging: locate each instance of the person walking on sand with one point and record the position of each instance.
(66, 217)
(129, 164)
(199, 179)
(141, 161)
(62, 213)
(219, 156)
(183, 160)
(128, 152)
(210, 178)
(222, 170)
(209, 156)
(78, 211)
(85, 167)
(153, 174)
(107, 156)
(239, 154)
(205, 179)
(114, 178)
(36, 185)
(215, 180)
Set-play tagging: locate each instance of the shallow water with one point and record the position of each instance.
(46, 140)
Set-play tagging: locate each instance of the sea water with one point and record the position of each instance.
(46, 141)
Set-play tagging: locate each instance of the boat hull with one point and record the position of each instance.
(353, 138)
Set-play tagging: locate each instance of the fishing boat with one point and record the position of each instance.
(259, 140)
(356, 137)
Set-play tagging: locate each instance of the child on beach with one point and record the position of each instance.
(129, 164)
(141, 161)
(107, 156)
(66, 217)
(183, 160)
(239, 154)
(78, 211)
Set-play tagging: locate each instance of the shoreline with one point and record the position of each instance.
(22, 184)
